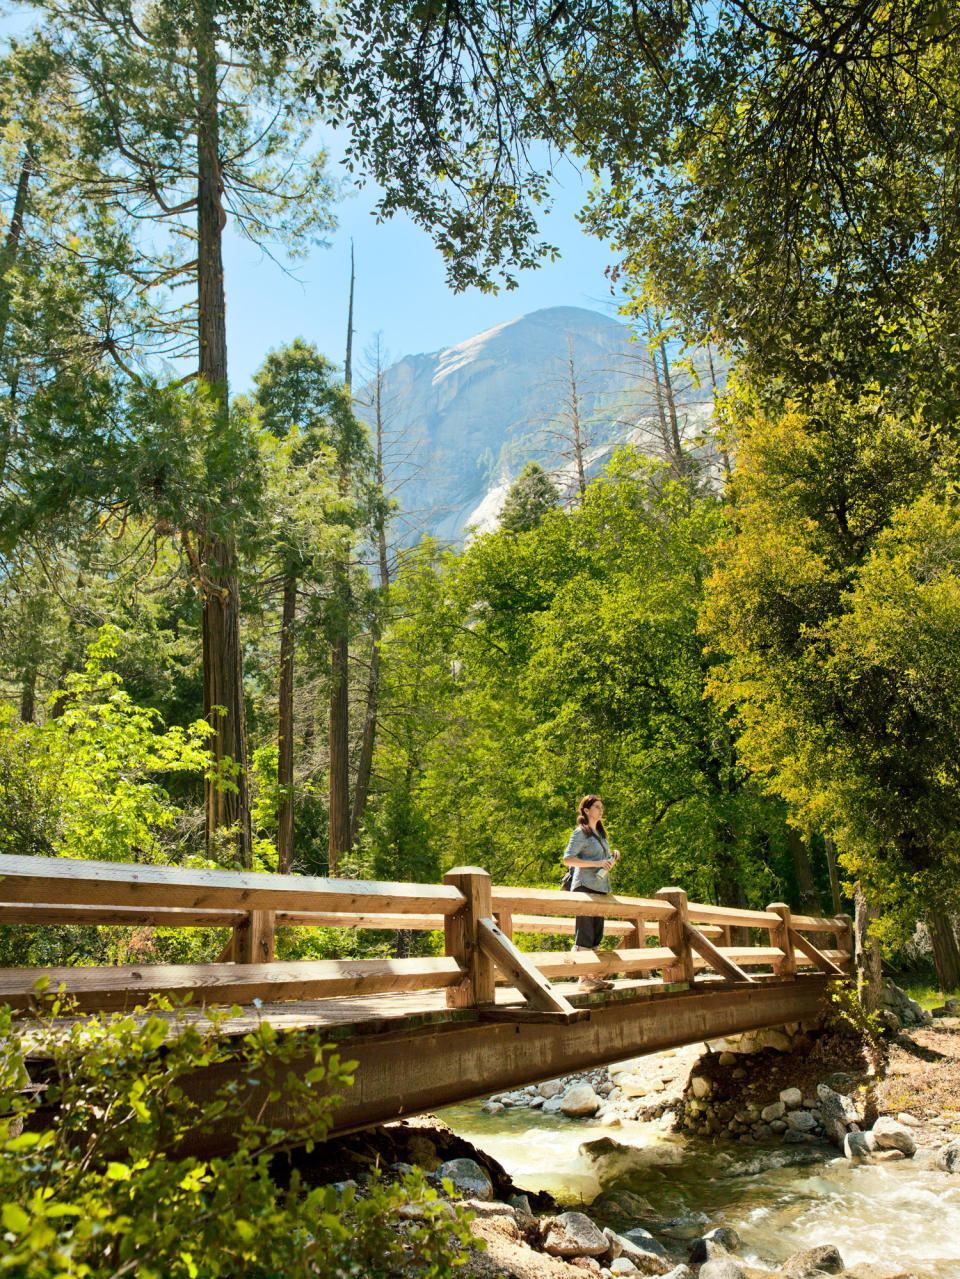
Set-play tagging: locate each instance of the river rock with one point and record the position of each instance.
(580, 1101)
(949, 1157)
(911, 1121)
(422, 1151)
(551, 1088)
(621, 1208)
(801, 1121)
(468, 1177)
(857, 1145)
(616, 1247)
(890, 1135)
(824, 1259)
(792, 1098)
(886, 1156)
(679, 1272)
(623, 1266)
(640, 1247)
(722, 1268)
(494, 1107)
(776, 1110)
(715, 1243)
(573, 1234)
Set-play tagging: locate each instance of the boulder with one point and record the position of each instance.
(891, 1135)
(468, 1177)
(886, 1156)
(623, 1266)
(553, 1105)
(857, 1145)
(824, 1259)
(792, 1098)
(702, 1087)
(493, 1107)
(573, 1234)
(776, 1110)
(719, 1242)
(552, 1088)
(621, 1208)
(834, 1105)
(910, 1121)
(580, 1101)
(949, 1157)
(774, 1039)
(616, 1247)
(422, 1151)
(801, 1121)
(723, 1268)
(644, 1240)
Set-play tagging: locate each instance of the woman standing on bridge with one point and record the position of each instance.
(590, 858)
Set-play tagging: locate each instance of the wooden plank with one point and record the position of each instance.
(115, 916)
(717, 960)
(462, 939)
(551, 901)
(504, 921)
(752, 954)
(560, 963)
(128, 985)
(63, 880)
(612, 928)
(815, 924)
(361, 919)
(518, 969)
(533, 1016)
(700, 913)
(819, 958)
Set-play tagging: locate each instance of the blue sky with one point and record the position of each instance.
(401, 289)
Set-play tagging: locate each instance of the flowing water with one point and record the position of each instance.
(899, 1216)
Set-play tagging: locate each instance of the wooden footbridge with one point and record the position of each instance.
(430, 1031)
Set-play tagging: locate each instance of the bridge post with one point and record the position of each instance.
(504, 920)
(781, 938)
(462, 939)
(636, 939)
(674, 935)
(845, 942)
(253, 938)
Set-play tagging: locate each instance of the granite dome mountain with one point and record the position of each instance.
(460, 423)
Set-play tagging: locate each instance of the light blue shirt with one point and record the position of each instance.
(588, 847)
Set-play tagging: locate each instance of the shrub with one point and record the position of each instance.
(98, 1177)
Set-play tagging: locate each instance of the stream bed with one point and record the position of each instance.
(898, 1216)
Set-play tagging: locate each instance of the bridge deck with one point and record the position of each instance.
(415, 1054)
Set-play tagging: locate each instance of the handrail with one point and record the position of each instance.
(665, 933)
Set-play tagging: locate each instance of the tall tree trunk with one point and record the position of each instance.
(677, 459)
(368, 741)
(8, 260)
(809, 898)
(869, 971)
(831, 851)
(575, 422)
(946, 954)
(28, 693)
(339, 842)
(285, 726)
(223, 699)
(339, 757)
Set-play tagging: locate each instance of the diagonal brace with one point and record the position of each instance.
(715, 957)
(514, 965)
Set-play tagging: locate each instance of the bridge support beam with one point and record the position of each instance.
(419, 1068)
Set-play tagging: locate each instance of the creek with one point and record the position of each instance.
(897, 1216)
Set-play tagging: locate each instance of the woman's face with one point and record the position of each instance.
(595, 812)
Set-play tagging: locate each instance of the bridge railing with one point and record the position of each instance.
(478, 920)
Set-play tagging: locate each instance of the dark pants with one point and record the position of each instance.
(588, 929)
